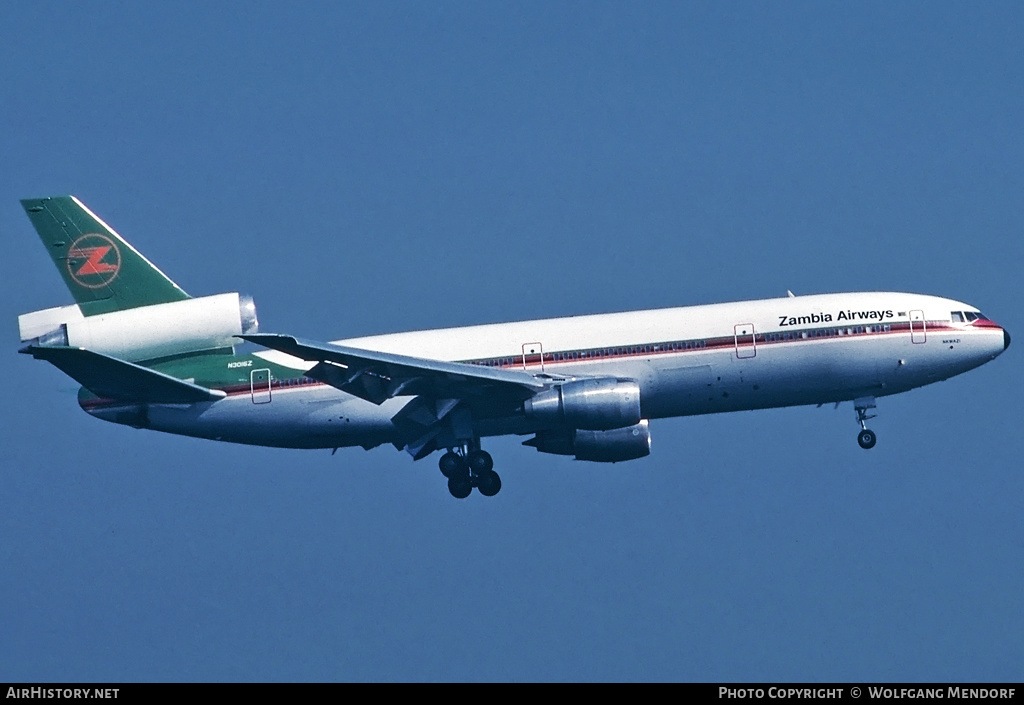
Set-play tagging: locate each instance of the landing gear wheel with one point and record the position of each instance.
(480, 461)
(488, 483)
(468, 469)
(451, 464)
(866, 439)
(460, 487)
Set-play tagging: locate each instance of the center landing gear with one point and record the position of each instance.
(466, 470)
(866, 438)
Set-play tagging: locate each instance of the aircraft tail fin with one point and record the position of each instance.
(103, 272)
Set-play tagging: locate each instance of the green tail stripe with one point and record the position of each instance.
(103, 272)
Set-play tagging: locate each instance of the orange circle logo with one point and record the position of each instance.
(93, 261)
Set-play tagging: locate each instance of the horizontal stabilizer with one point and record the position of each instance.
(111, 378)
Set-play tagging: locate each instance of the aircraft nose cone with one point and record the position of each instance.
(1006, 339)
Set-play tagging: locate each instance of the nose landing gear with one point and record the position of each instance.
(467, 469)
(866, 438)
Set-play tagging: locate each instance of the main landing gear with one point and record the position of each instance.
(866, 438)
(468, 469)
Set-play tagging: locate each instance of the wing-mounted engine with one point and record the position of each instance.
(595, 419)
(145, 332)
(598, 404)
(612, 446)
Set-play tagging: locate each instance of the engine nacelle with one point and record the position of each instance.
(612, 446)
(593, 404)
(146, 332)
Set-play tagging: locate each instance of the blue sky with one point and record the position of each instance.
(364, 168)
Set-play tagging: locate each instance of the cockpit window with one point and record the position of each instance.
(971, 316)
(981, 316)
(957, 317)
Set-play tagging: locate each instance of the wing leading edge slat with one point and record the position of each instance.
(378, 376)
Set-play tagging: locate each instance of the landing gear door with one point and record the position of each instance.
(259, 384)
(533, 354)
(744, 334)
(918, 328)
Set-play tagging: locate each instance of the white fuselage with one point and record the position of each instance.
(690, 360)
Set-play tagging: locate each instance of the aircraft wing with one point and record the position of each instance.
(111, 378)
(378, 376)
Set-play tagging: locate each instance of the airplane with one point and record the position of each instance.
(150, 356)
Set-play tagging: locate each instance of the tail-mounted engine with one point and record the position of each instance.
(612, 446)
(145, 332)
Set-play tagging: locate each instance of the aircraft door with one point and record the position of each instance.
(918, 328)
(259, 385)
(533, 354)
(744, 336)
